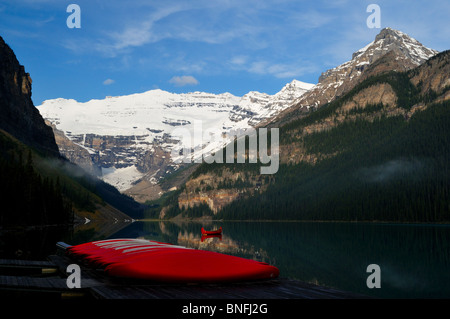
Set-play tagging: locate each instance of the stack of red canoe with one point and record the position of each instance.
(156, 261)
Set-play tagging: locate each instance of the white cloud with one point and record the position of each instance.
(183, 80)
(133, 36)
(136, 33)
(181, 21)
(281, 70)
(108, 82)
(239, 60)
(311, 19)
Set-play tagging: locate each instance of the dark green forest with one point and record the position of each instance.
(39, 189)
(28, 198)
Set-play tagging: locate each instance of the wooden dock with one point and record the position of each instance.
(48, 279)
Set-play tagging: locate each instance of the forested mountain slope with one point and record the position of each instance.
(379, 152)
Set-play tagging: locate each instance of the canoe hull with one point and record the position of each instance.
(155, 261)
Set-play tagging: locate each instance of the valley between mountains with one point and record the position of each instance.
(370, 141)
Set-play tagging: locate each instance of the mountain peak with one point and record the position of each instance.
(387, 32)
(394, 35)
(393, 40)
(392, 50)
(299, 84)
(406, 52)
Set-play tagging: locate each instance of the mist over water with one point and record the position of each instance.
(390, 170)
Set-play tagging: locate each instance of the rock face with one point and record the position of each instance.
(74, 152)
(391, 50)
(18, 116)
(380, 93)
(433, 76)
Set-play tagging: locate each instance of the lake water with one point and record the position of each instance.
(414, 260)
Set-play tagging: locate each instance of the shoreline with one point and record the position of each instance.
(202, 220)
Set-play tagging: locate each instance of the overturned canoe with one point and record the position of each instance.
(212, 232)
(156, 261)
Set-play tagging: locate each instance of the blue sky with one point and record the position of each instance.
(216, 46)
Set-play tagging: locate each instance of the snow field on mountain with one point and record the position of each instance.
(155, 115)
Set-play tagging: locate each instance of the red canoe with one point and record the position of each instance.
(212, 232)
(156, 261)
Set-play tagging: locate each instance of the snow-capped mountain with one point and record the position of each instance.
(389, 39)
(392, 50)
(409, 51)
(269, 105)
(130, 137)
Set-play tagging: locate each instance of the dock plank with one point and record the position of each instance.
(275, 289)
(26, 263)
(32, 282)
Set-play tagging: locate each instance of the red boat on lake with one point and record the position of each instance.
(212, 232)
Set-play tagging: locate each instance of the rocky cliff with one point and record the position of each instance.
(74, 152)
(18, 116)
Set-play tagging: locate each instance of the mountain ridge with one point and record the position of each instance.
(18, 115)
(394, 49)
